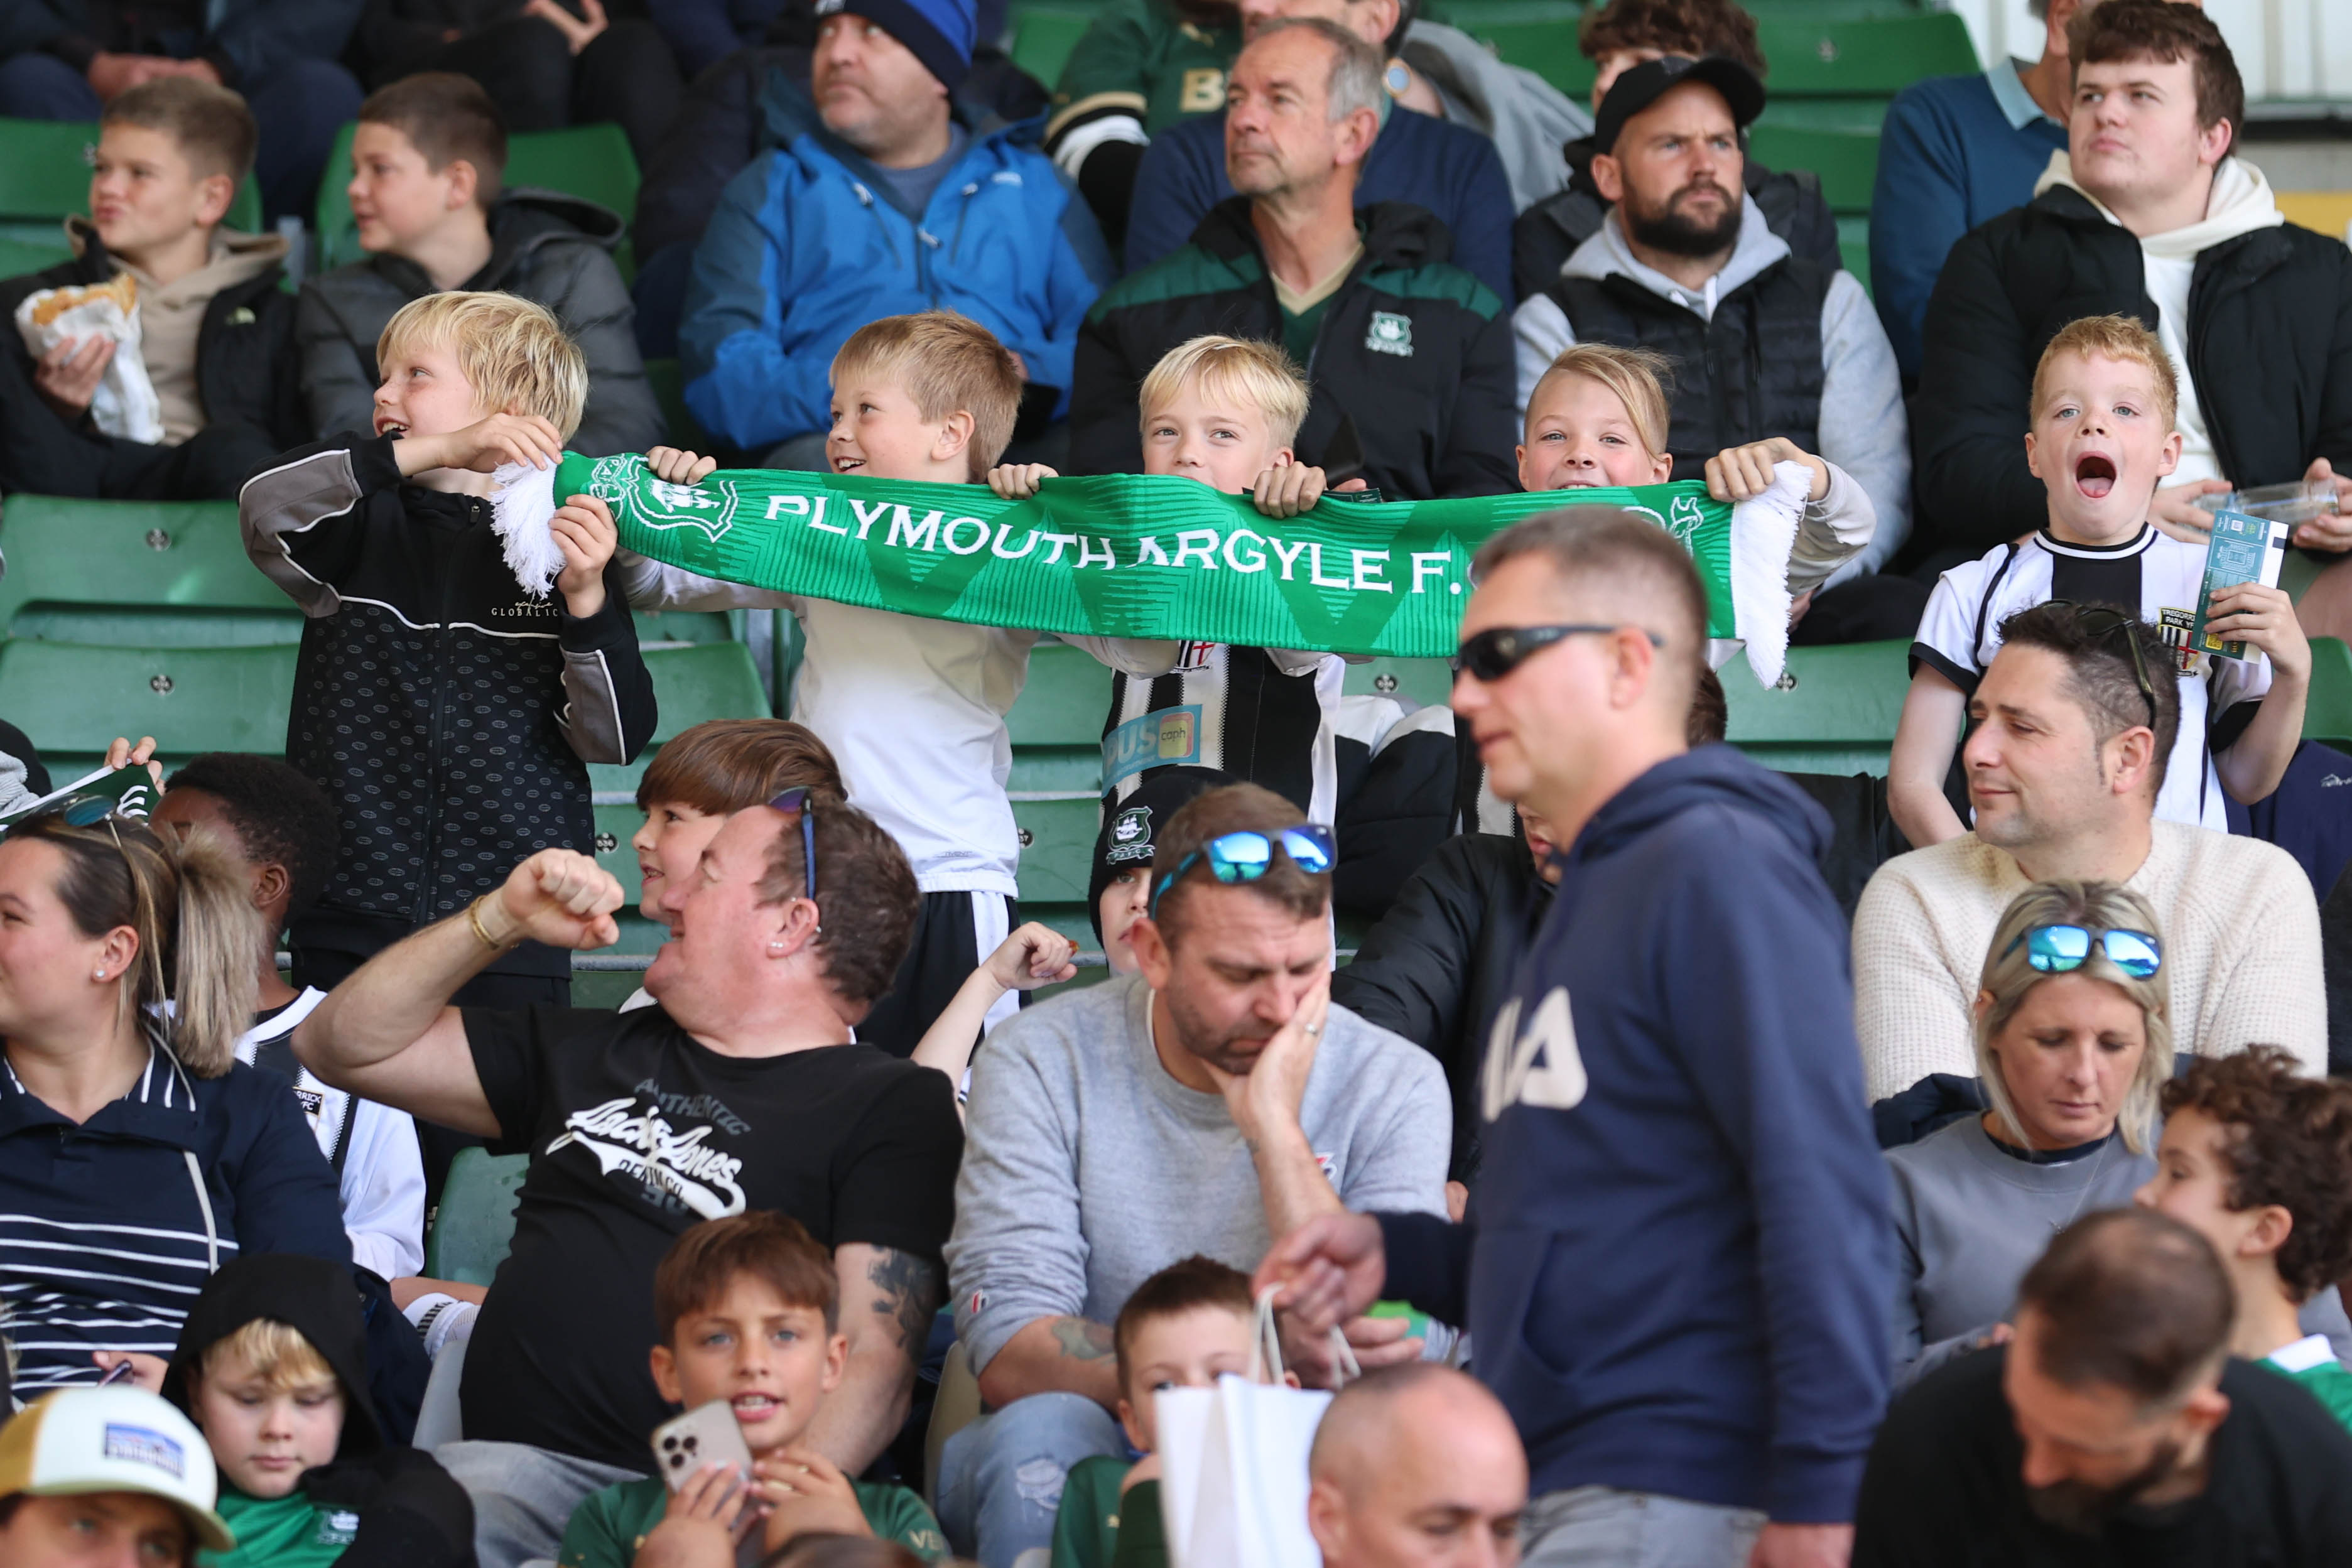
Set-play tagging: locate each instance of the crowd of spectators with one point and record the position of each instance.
(1694, 1163)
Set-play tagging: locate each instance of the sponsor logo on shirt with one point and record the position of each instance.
(2176, 626)
(1204, 88)
(1390, 334)
(631, 1135)
(1542, 1067)
(338, 1527)
(312, 1102)
(1167, 738)
(145, 1446)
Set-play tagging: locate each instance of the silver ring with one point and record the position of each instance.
(1313, 1028)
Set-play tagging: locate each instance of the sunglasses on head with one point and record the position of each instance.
(2102, 622)
(2061, 949)
(1497, 651)
(1246, 856)
(802, 802)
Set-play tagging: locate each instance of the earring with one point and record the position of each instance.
(98, 974)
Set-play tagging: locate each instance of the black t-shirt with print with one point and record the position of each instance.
(1945, 1486)
(635, 1131)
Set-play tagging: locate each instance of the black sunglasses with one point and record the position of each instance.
(1497, 651)
(2104, 621)
(802, 802)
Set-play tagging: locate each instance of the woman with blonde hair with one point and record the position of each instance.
(137, 1154)
(2074, 1043)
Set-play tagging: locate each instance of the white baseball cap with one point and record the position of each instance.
(81, 1440)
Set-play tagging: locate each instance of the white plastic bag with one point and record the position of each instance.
(1232, 1488)
(125, 405)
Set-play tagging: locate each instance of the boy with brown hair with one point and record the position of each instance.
(1185, 1327)
(2255, 1159)
(748, 1313)
(445, 699)
(913, 708)
(428, 163)
(2103, 440)
(216, 332)
(1616, 38)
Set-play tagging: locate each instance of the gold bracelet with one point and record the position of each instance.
(474, 919)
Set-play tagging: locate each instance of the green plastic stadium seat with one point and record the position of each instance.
(1846, 159)
(72, 700)
(1536, 35)
(2327, 714)
(149, 574)
(592, 162)
(1854, 246)
(1056, 726)
(1834, 712)
(1416, 683)
(1043, 37)
(44, 178)
(473, 1228)
(1817, 56)
(1057, 846)
(18, 256)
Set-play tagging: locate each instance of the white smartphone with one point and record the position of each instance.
(706, 1435)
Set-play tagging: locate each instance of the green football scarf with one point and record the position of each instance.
(1132, 555)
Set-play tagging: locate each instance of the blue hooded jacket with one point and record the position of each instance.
(1680, 1259)
(808, 245)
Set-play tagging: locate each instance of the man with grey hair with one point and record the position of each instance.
(1678, 1270)
(1409, 355)
(1412, 1466)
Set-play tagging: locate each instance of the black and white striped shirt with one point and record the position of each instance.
(109, 1230)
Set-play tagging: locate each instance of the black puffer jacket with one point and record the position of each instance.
(245, 367)
(1548, 234)
(545, 246)
(449, 717)
(1437, 969)
(2270, 346)
(1412, 368)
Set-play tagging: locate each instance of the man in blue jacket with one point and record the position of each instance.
(881, 199)
(67, 60)
(1953, 152)
(1679, 1260)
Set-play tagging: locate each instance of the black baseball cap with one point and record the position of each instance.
(1646, 83)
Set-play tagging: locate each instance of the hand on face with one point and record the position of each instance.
(1264, 1100)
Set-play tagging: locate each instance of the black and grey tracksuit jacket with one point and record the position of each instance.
(450, 715)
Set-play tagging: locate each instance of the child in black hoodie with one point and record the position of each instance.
(272, 1366)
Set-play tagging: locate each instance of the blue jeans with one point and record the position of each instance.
(300, 107)
(1601, 1527)
(523, 1497)
(1001, 1478)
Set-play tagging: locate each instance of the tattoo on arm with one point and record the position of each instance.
(1082, 1339)
(910, 1290)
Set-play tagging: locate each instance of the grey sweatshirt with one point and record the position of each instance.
(1087, 1168)
(1972, 1219)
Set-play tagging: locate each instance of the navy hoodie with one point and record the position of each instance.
(1680, 1256)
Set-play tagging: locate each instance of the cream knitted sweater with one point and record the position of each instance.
(2241, 948)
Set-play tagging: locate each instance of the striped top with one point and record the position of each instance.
(109, 1230)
